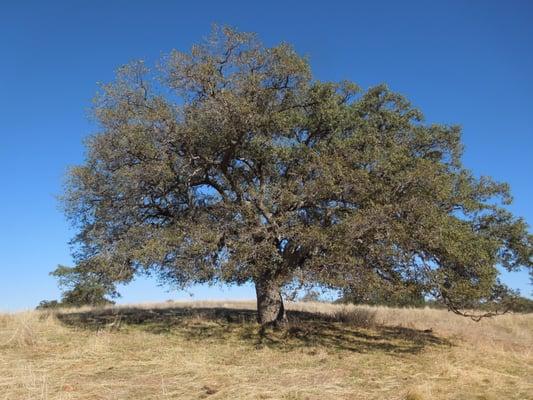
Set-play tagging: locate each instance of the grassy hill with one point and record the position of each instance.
(211, 350)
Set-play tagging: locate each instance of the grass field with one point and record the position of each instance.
(211, 350)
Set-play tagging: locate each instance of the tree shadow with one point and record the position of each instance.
(304, 329)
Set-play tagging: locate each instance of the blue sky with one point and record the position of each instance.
(465, 62)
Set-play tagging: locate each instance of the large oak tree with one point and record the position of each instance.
(230, 163)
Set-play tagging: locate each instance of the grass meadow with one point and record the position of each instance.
(212, 350)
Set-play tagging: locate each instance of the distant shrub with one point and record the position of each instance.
(361, 317)
(385, 296)
(522, 305)
(89, 294)
(48, 304)
(515, 303)
(80, 288)
(311, 295)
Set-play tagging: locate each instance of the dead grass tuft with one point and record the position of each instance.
(414, 395)
(18, 330)
(356, 317)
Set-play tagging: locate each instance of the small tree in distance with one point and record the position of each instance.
(80, 287)
(231, 164)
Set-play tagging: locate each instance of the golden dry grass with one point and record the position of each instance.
(210, 350)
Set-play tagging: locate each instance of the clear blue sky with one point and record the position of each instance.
(465, 62)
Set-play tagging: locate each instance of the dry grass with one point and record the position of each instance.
(208, 350)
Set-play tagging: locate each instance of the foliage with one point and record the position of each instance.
(523, 304)
(386, 296)
(311, 295)
(230, 163)
(48, 304)
(80, 287)
(404, 298)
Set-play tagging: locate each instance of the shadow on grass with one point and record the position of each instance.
(304, 330)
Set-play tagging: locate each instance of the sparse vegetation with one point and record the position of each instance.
(208, 350)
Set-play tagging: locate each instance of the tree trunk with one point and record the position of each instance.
(270, 309)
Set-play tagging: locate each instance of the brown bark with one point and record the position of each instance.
(270, 308)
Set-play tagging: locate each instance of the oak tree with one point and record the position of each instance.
(230, 163)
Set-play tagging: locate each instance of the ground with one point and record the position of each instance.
(213, 351)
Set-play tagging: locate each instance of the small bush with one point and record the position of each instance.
(361, 317)
(48, 305)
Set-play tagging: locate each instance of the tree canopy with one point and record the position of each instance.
(231, 163)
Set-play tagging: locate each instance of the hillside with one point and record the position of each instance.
(210, 350)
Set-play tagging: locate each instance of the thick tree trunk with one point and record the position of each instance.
(270, 309)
